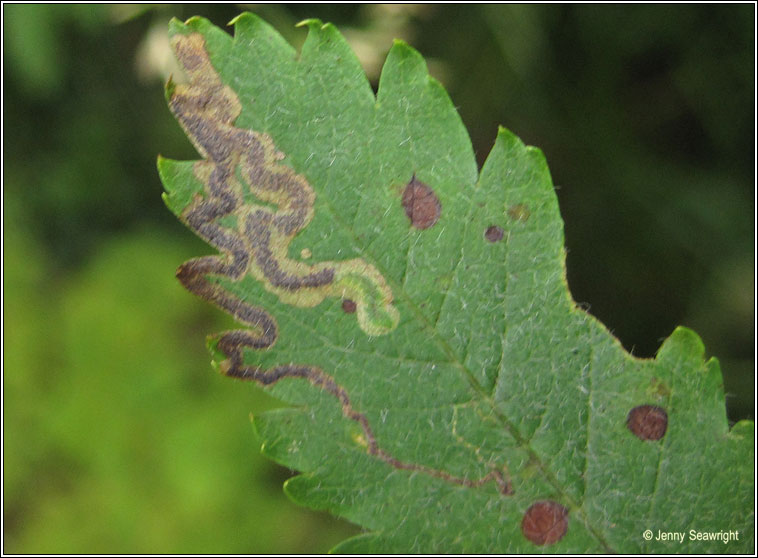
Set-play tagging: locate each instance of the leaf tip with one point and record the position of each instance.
(160, 164)
(175, 25)
(311, 23)
(404, 56)
(237, 19)
(399, 46)
(504, 133)
(507, 139)
(245, 19)
(194, 21)
(296, 489)
(713, 365)
(683, 340)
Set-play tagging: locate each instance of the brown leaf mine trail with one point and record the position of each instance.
(254, 240)
(207, 109)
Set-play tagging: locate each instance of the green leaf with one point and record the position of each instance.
(446, 392)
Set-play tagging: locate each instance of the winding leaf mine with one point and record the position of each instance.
(207, 109)
(257, 241)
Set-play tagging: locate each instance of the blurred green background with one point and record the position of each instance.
(119, 437)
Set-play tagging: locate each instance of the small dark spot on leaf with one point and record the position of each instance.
(545, 522)
(493, 233)
(519, 212)
(648, 422)
(349, 306)
(421, 204)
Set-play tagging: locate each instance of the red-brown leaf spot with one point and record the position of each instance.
(647, 422)
(421, 204)
(494, 233)
(545, 522)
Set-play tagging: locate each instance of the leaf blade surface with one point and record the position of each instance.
(444, 381)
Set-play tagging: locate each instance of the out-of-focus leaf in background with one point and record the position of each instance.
(118, 437)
